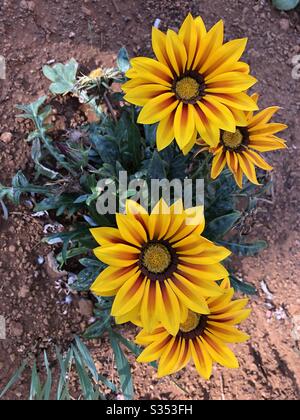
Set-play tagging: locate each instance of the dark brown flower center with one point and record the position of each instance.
(189, 88)
(236, 141)
(158, 260)
(193, 327)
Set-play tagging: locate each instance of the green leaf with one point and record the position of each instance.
(35, 385)
(46, 392)
(36, 155)
(245, 249)
(156, 167)
(242, 286)
(90, 262)
(150, 134)
(285, 4)
(87, 277)
(86, 383)
(65, 365)
(63, 77)
(218, 227)
(16, 376)
(97, 329)
(106, 146)
(134, 348)
(123, 60)
(123, 368)
(134, 143)
(32, 110)
(87, 357)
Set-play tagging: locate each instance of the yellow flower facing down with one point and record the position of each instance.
(239, 149)
(202, 338)
(192, 86)
(159, 265)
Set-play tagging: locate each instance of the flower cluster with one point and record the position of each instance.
(166, 277)
(196, 90)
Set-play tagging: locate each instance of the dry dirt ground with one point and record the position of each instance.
(34, 32)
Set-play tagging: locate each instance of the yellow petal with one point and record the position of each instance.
(152, 70)
(222, 60)
(267, 143)
(263, 117)
(188, 35)
(218, 351)
(232, 161)
(238, 176)
(209, 132)
(257, 160)
(218, 164)
(240, 101)
(159, 46)
(231, 318)
(248, 168)
(184, 355)
(158, 108)
(231, 82)
(176, 52)
(132, 316)
(169, 309)
(169, 358)
(200, 29)
(207, 288)
(118, 255)
(189, 294)
(210, 42)
(207, 272)
(184, 125)
(111, 279)
(191, 144)
(154, 350)
(165, 132)
(131, 230)
(129, 296)
(226, 333)
(107, 235)
(142, 94)
(144, 338)
(240, 117)
(267, 129)
(148, 306)
(201, 358)
(159, 220)
(218, 113)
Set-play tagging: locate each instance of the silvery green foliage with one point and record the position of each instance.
(285, 4)
(62, 76)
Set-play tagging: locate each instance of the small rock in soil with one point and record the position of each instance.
(6, 137)
(86, 307)
(284, 24)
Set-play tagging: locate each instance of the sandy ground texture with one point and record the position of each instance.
(37, 32)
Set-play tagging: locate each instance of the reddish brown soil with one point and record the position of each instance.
(34, 32)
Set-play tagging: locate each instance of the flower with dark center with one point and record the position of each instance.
(201, 338)
(240, 150)
(195, 86)
(159, 265)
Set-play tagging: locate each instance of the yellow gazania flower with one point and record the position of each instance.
(191, 85)
(159, 265)
(239, 149)
(201, 338)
